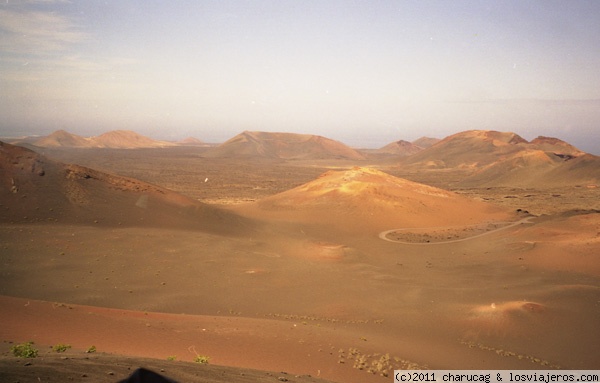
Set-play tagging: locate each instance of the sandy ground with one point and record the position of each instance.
(309, 297)
(269, 305)
(261, 344)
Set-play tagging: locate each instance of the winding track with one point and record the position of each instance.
(383, 234)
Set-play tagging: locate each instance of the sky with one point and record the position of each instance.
(362, 72)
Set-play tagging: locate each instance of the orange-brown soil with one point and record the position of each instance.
(303, 286)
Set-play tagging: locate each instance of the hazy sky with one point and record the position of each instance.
(362, 72)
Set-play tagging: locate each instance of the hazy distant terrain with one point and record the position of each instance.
(116, 139)
(296, 253)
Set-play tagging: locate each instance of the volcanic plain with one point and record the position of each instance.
(279, 261)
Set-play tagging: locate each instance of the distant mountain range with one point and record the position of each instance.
(116, 139)
(486, 158)
(491, 158)
(475, 148)
(283, 146)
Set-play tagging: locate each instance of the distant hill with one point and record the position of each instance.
(583, 169)
(126, 139)
(34, 188)
(283, 146)
(468, 149)
(492, 158)
(517, 169)
(425, 142)
(62, 138)
(117, 139)
(367, 200)
(400, 148)
(536, 168)
(191, 141)
(556, 146)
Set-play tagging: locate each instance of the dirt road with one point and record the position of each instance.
(383, 234)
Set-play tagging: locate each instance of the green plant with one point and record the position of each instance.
(61, 347)
(91, 349)
(24, 350)
(172, 357)
(202, 359)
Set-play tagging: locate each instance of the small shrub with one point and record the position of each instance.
(24, 350)
(172, 357)
(202, 359)
(61, 347)
(91, 349)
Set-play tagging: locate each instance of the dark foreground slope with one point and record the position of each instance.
(109, 368)
(34, 188)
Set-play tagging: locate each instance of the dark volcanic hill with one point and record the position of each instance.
(283, 146)
(34, 188)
